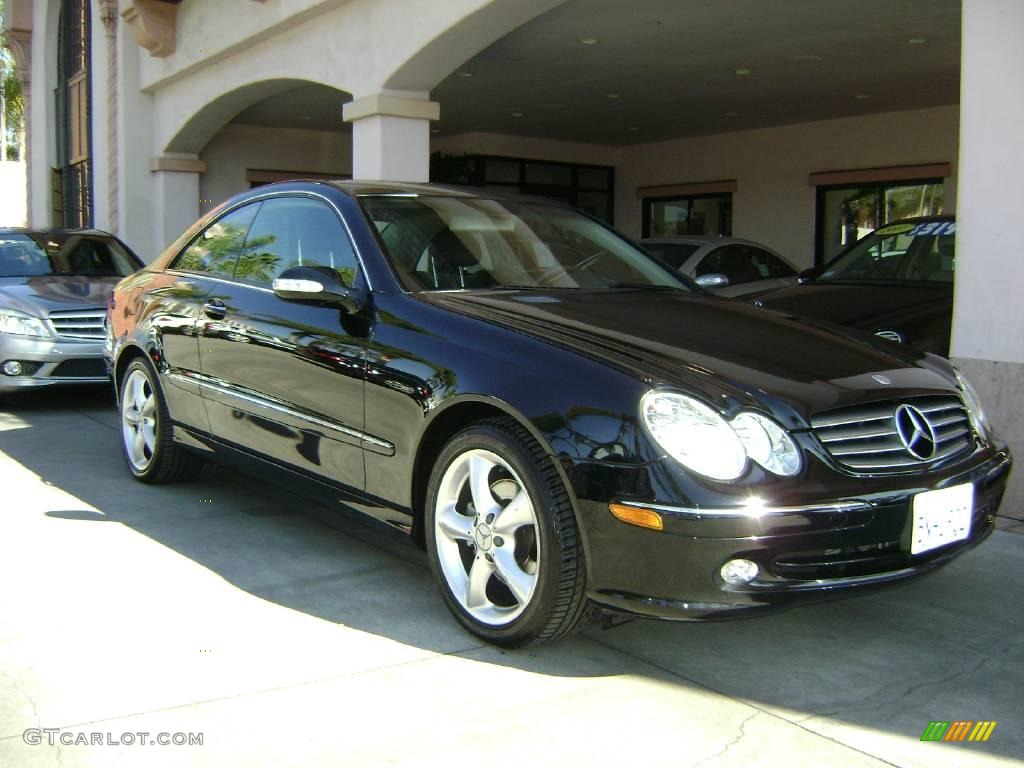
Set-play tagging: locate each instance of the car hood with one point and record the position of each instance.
(867, 306)
(44, 294)
(715, 347)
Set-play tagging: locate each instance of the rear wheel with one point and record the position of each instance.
(502, 538)
(146, 433)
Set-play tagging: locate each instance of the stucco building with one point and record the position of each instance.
(798, 123)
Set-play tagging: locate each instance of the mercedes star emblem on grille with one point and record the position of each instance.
(915, 432)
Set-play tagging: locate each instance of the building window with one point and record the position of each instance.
(72, 187)
(691, 215)
(847, 213)
(587, 187)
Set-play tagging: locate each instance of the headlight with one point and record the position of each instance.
(767, 443)
(700, 439)
(694, 435)
(974, 410)
(20, 324)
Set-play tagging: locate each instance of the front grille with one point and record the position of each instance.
(88, 367)
(867, 438)
(80, 323)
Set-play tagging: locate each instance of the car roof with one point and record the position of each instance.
(54, 231)
(697, 240)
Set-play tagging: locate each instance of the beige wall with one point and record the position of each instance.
(237, 149)
(524, 147)
(773, 202)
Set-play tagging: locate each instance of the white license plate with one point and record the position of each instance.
(942, 517)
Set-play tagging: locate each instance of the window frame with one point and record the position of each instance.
(878, 187)
(647, 203)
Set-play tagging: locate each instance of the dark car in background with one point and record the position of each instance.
(728, 266)
(564, 423)
(54, 287)
(896, 282)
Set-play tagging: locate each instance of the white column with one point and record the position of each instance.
(175, 198)
(391, 136)
(988, 326)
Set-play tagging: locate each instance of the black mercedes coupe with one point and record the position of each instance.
(564, 423)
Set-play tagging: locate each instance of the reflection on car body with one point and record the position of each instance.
(564, 423)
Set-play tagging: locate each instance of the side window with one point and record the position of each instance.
(295, 232)
(736, 263)
(770, 265)
(215, 250)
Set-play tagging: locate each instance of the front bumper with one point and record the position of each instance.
(806, 552)
(47, 362)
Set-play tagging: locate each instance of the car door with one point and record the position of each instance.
(175, 301)
(284, 379)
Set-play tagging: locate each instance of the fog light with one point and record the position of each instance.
(12, 368)
(739, 571)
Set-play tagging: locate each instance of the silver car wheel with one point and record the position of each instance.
(138, 420)
(486, 532)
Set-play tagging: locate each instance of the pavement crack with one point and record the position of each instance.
(741, 734)
(35, 711)
(911, 690)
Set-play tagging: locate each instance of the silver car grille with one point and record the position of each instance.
(896, 436)
(80, 323)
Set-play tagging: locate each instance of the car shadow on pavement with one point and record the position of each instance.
(949, 647)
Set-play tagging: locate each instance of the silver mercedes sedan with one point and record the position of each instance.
(727, 266)
(54, 288)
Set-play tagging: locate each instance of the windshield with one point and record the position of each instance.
(673, 254)
(911, 252)
(33, 255)
(452, 243)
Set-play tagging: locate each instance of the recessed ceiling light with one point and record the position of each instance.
(634, 127)
(435, 130)
(518, 114)
(743, 71)
(552, 105)
(861, 96)
(614, 95)
(588, 41)
(805, 57)
(465, 74)
(918, 40)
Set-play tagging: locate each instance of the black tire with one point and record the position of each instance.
(168, 461)
(558, 606)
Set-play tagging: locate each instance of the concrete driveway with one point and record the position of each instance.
(224, 609)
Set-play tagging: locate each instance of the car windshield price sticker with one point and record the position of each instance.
(942, 517)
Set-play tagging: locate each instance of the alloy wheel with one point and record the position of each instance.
(486, 531)
(138, 420)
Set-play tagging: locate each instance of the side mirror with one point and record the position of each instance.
(807, 275)
(713, 280)
(317, 284)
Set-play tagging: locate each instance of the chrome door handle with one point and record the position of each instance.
(215, 309)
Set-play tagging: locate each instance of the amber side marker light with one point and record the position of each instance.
(645, 518)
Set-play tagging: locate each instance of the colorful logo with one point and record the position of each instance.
(959, 730)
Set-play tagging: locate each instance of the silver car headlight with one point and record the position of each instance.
(20, 324)
(976, 414)
(696, 436)
(767, 443)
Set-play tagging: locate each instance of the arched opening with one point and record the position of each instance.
(296, 132)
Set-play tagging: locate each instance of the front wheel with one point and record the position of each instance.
(146, 432)
(502, 538)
